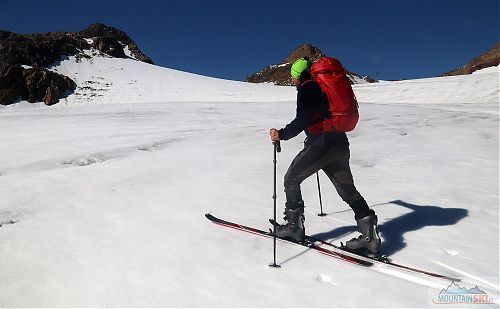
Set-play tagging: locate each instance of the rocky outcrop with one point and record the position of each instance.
(33, 85)
(279, 74)
(109, 46)
(46, 86)
(109, 36)
(24, 58)
(488, 59)
(38, 50)
(12, 86)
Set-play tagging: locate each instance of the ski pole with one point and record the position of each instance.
(322, 214)
(277, 148)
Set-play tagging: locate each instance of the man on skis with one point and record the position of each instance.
(327, 151)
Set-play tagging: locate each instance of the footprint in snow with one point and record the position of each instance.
(154, 146)
(450, 252)
(454, 253)
(151, 147)
(87, 160)
(325, 278)
(9, 221)
(363, 163)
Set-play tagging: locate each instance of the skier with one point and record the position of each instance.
(325, 151)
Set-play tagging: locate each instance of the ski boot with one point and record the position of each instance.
(293, 230)
(369, 239)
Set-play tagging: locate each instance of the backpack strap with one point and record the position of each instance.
(307, 81)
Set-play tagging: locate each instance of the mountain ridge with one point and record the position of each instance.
(279, 74)
(487, 59)
(25, 58)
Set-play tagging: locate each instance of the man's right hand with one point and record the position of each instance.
(275, 136)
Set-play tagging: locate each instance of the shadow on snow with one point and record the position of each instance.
(392, 231)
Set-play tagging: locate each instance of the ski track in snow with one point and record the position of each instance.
(88, 159)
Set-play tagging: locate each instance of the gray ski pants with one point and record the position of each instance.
(334, 161)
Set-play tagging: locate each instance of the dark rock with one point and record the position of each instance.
(370, 79)
(38, 50)
(489, 59)
(11, 84)
(33, 85)
(109, 45)
(305, 50)
(47, 86)
(101, 30)
(35, 50)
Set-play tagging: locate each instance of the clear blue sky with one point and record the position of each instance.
(231, 39)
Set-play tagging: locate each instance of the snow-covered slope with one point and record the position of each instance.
(103, 204)
(102, 79)
(461, 90)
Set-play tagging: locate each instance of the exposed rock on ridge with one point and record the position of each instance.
(489, 59)
(109, 37)
(279, 74)
(24, 60)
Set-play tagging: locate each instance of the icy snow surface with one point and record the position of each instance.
(103, 204)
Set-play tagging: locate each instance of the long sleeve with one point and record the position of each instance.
(308, 96)
(297, 125)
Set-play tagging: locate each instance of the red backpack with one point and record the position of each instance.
(331, 77)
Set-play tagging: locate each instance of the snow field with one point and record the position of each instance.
(108, 199)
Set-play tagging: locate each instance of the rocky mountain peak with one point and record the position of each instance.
(304, 50)
(112, 41)
(279, 74)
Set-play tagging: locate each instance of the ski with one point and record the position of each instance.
(333, 250)
(385, 260)
(377, 258)
(311, 245)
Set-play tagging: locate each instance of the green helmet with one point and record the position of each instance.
(300, 65)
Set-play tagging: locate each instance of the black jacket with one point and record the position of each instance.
(311, 102)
